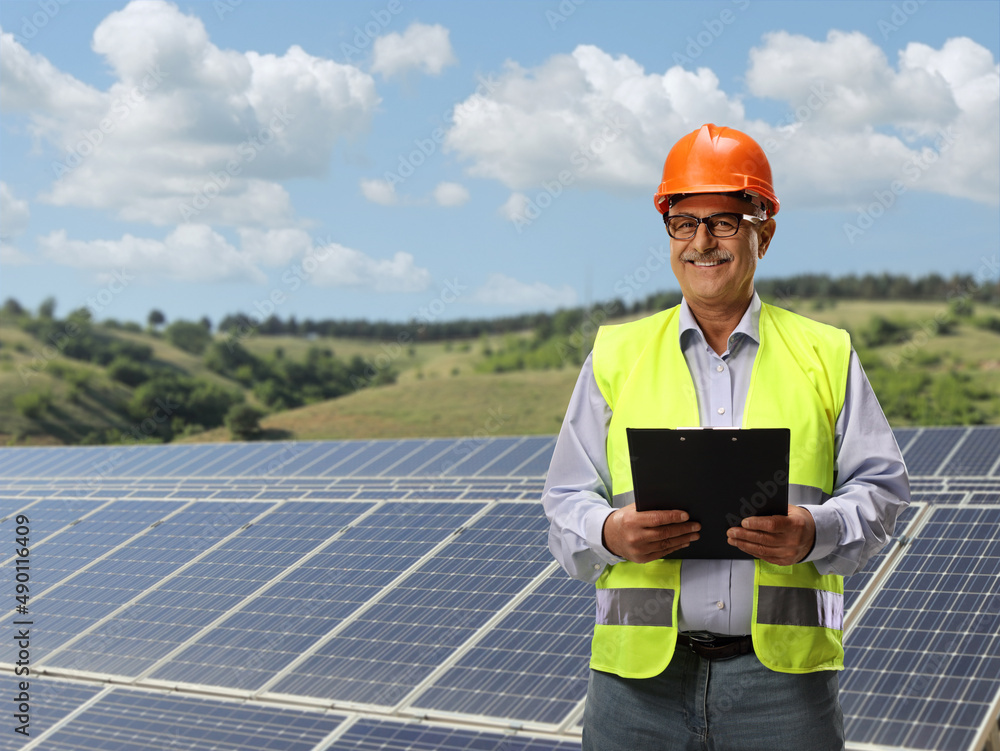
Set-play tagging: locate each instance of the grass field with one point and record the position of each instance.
(438, 391)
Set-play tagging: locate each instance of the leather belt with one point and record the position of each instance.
(717, 647)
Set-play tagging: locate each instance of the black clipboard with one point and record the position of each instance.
(718, 475)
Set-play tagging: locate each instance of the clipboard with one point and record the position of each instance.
(719, 476)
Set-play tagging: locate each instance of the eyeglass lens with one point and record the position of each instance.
(683, 227)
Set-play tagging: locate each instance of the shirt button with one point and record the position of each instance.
(720, 604)
(720, 368)
(721, 410)
(597, 566)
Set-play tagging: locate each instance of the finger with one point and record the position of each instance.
(663, 551)
(780, 556)
(660, 546)
(764, 539)
(763, 523)
(755, 549)
(661, 518)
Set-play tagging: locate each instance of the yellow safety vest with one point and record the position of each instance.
(798, 381)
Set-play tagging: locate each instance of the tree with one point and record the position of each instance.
(48, 308)
(12, 309)
(190, 337)
(156, 318)
(243, 422)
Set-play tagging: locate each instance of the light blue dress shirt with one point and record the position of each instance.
(871, 484)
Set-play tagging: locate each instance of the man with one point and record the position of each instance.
(721, 654)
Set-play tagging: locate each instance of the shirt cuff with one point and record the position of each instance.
(594, 525)
(827, 531)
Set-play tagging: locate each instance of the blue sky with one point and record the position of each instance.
(406, 159)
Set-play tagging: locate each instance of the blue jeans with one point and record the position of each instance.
(722, 705)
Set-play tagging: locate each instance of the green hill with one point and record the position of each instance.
(928, 363)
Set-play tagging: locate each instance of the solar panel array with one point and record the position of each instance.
(400, 595)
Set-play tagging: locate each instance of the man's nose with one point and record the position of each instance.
(703, 240)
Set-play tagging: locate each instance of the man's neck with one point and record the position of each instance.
(717, 324)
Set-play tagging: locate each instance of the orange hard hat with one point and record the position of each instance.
(714, 159)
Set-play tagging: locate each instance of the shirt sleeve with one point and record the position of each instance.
(871, 485)
(577, 495)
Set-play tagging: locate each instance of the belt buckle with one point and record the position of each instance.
(700, 638)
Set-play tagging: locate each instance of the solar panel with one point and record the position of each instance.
(161, 620)
(75, 605)
(115, 462)
(362, 454)
(904, 436)
(486, 454)
(384, 652)
(927, 451)
(855, 584)
(457, 451)
(90, 538)
(130, 720)
(393, 451)
(182, 458)
(924, 660)
(50, 515)
(532, 666)
(429, 595)
(49, 701)
(509, 462)
(538, 464)
(268, 634)
(299, 456)
(977, 454)
(243, 462)
(431, 450)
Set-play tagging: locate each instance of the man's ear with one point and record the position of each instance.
(766, 234)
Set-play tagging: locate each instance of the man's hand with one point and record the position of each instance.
(643, 536)
(782, 540)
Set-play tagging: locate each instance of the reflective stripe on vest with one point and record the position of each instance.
(798, 381)
(798, 606)
(638, 606)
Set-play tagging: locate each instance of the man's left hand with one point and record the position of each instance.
(782, 540)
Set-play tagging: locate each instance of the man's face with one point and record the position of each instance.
(716, 274)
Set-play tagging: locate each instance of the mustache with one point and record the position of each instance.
(712, 257)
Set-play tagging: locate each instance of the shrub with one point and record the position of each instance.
(190, 337)
(243, 422)
(33, 404)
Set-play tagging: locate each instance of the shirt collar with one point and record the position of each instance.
(748, 326)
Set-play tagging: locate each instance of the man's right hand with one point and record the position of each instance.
(643, 536)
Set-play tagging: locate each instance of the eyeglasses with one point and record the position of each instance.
(684, 227)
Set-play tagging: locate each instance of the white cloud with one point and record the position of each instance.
(14, 213)
(14, 216)
(863, 89)
(339, 266)
(598, 121)
(855, 122)
(29, 82)
(275, 247)
(324, 263)
(421, 47)
(501, 289)
(514, 207)
(191, 253)
(450, 194)
(12, 256)
(196, 253)
(186, 122)
(380, 192)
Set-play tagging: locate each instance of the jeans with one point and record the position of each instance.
(723, 705)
